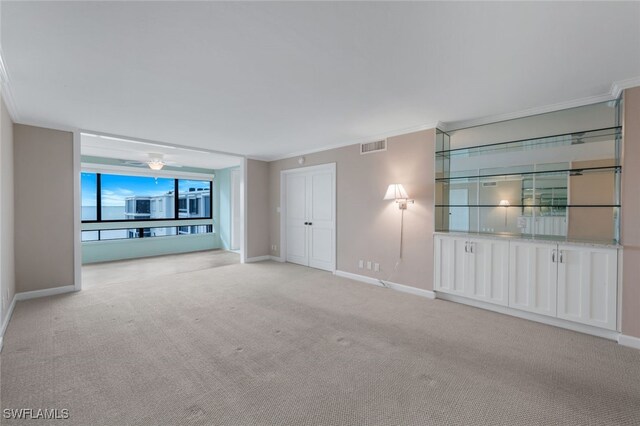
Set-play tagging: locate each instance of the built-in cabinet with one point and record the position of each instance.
(571, 282)
(476, 268)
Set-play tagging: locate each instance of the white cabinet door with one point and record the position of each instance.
(489, 264)
(451, 265)
(587, 285)
(321, 228)
(533, 277)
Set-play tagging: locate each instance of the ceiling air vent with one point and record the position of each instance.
(485, 184)
(370, 147)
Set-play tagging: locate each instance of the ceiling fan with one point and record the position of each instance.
(156, 162)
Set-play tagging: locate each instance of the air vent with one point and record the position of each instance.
(371, 147)
(485, 184)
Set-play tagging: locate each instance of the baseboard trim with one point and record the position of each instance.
(26, 295)
(277, 259)
(6, 319)
(257, 259)
(394, 286)
(629, 341)
(556, 322)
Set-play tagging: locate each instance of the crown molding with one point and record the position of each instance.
(6, 90)
(614, 93)
(619, 86)
(379, 136)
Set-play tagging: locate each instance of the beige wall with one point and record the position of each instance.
(368, 227)
(43, 173)
(257, 209)
(630, 232)
(592, 188)
(7, 268)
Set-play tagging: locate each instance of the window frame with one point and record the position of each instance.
(176, 200)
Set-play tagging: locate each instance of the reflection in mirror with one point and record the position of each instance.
(492, 179)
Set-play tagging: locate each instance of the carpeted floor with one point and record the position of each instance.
(278, 344)
(122, 270)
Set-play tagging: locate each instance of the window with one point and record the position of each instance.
(193, 195)
(114, 198)
(134, 233)
(89, 185)
(130, 197)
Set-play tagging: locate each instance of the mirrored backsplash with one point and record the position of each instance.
(555, 186)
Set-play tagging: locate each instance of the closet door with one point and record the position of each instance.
(321, 219)
(296, 218)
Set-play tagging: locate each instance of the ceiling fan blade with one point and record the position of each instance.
(134, 163)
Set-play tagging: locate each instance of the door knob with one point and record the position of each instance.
(306, 223)
(310, 223)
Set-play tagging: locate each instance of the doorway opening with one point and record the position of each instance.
(141, 199)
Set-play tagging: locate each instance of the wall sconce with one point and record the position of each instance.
(396, 192)
(505, 204)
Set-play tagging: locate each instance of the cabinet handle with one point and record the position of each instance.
(310, 223)
(561, 256)
(553, 256)
(306, 223)
(471, 244)
(466, 246)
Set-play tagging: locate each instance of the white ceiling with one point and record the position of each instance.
(271, 79)
(123, 149)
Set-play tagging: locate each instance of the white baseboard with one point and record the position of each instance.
(26, 295)
(6, 319)
(629, 341)
(394, 286)
(277, 259)
(557, 322)
(257, 259)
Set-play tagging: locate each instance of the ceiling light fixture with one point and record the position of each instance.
(155, 162)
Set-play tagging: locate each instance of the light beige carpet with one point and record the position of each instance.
(278, 344)
(150, 267)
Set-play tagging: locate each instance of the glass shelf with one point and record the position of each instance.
(567, 139)
(562, 186)
(490, 174)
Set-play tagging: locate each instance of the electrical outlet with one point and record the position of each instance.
(368, 264)
(360, 264)
(376, 267)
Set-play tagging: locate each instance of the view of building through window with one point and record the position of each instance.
(139, 198)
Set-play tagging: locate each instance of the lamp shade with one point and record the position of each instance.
(505, 203)
(396, 192)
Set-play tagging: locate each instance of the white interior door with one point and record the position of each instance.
(309, 217)
(321, 228)
(235, 209)
(296, 219)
